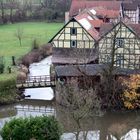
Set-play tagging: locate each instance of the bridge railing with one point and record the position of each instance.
(36, 81)
(39, 78)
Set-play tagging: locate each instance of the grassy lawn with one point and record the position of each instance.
(9, 44)
(6, 76)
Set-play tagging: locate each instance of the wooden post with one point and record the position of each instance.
(54, 91)
(13, 61)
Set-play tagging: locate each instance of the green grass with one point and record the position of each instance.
(6, 76)
(9, 44)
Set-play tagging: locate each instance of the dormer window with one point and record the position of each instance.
(120, 42)
(73, 31)
(73, 43)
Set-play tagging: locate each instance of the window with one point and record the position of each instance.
(107, 59)
(73, 31)
(73, 43)
(119, 59)
(120, 42)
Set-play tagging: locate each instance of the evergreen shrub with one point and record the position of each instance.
(36, 128)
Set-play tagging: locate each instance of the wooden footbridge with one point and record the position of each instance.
(36, 82)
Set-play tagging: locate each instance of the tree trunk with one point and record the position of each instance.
(11, 15)
(20, 42)
(2, 12)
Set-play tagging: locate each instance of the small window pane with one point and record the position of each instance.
(120, 42)
(73, 43)
(73, 31)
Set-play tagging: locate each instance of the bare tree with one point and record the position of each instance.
(110, 88)
(77, 95)
(78, 104)
(19, 34)
(2, 11)
(12, 4)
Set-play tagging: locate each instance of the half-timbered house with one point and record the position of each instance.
(74, 35)
(120, 43)
(131, 10)
(76, 41)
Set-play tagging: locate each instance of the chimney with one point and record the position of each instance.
(66, 17)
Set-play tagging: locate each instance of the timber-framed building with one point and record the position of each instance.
(74, 42)
(122, 42)
(95, 37)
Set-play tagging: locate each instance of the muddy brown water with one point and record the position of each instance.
(110, 126)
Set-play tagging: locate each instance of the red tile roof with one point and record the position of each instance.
(88, 18)
(89, 24)
(76, 5)
(96, 23)
(135, 28)
(108, 13)
(106, 27)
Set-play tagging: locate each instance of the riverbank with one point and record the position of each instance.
(41, 32)
(8, 91)
(110, 124)
(8, 97)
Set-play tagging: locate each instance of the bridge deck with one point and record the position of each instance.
(36, 82)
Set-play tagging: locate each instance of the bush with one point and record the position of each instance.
(38, 128)
(2, 66)
(8, 97)
(131, 93)
(7, 84)
(30, 58)
(35, 44)
(8, 92)
(46, 50)
(36, 55)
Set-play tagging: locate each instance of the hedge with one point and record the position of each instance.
(37, 128)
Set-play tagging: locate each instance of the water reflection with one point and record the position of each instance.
(7, 111)
(25, 109)
(111, 126)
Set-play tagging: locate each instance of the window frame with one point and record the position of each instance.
(71, 43)
(73, 31)
(120, 59)
(119, 42)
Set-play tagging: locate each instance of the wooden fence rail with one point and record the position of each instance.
(36, 82)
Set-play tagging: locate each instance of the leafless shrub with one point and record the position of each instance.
(46, 50)
(30, 58)
(19, 35)
(36, 55)
(78, 104)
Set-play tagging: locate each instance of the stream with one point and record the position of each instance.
(110, 126)
(38, 69)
